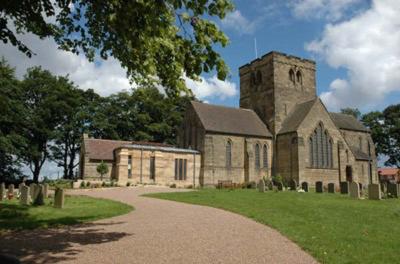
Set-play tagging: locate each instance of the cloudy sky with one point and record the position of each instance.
(356, 44)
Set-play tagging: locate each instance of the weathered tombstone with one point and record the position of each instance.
(11, 189)
(24, 199)
(354, 190)
(39, 198)
(293, 185)
(36, 190)
(2, 191)
(261, 186)
(45, 190)
(32, 188)
(374, 192)
(268, 184)
(304, 186)
(331, 187)
(59, 198)
(344, 187)
(280, 186)
(20, 186)
(392, 190)
(319, 187)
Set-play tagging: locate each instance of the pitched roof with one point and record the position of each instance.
(228, 120)
(358, 154)
(102, 149)
(388, 171)
(349, 122)
(296, 116)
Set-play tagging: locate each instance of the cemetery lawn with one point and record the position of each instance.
(77, 209)
(331, 227)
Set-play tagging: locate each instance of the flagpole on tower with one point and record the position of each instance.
(255, 47)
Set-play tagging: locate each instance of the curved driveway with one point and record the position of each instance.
(157, 231)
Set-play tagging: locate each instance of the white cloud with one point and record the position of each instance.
(236, 21)
(104, 77)
(211, 87)
(330, 9)
(368, 47)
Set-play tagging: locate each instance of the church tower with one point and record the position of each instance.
(273, 84)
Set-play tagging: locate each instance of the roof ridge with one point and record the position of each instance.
(106, 139)
(223, 106)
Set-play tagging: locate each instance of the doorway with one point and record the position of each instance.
(349, 173)
(153, 168)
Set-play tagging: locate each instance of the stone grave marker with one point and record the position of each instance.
(344, 187)
(374, 191)
(32, 188)
(331, 187)
(45, 190)
(304, 186)
(261, 186)
(354, 190)
(59, 198)
(2, 191)
(392, 190)
(319, 188)
(11, 189)
(268, 184)
(293, 185)
(24, 199)
(20, 186)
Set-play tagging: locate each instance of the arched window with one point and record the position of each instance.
(320, 148)
(259, 77)
(228, 154)
(257, 156)
(265, 156)
(291, 76)
(299, 77)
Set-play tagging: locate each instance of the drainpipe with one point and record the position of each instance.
(141, 165)
(194, 170)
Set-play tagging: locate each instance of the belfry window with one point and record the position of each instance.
(259, 77)
(291, 76)
(320, 148)
(299, 77)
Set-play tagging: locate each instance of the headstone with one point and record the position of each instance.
(280, 186)
(261, 186)
(45, 190)
(24, 199)
(32, 188)
(374, 192)
(344, 187)
(392, 190)
(11, 188)
(293, 185)
(331, 188)
(319, 187)
(354, 190)
(36, 190)
(20, 186)
(304, 186)
(2, 191)
(268, 184)
(59, 198)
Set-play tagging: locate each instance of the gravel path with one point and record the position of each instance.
(157, 231)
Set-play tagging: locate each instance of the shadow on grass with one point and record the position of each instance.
(56, 244)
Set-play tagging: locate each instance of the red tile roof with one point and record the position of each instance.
(102, 149)
(388, 171)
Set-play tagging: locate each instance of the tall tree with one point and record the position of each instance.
(351, 111)
(11, 123)
(155, 40)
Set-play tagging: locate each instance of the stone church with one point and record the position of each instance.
(281, 128)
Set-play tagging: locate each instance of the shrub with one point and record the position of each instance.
(103, 184)
(88, 184)
(102, 169)
(82, 184)
(172, 185)
(128, 184)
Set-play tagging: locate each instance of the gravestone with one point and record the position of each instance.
(331, 188)
(261, 186)
(319, 187)
(344, 187)
(354, 190)
(11, 189)
(32, 188)
(24, 199)
(280, 186)
(20, 186)
(45, 190)
(374, 192)
(293, 185)
(392, 190)
(268, 185)
(2, 191)
(304, 186)
(59, 198)
(36, 190)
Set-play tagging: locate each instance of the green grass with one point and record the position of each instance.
(332, 227)
(78, 209)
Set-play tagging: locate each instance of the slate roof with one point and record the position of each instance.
(228, 120)
(102, 149)
(358, 154)
(296, 116)
(348, 122)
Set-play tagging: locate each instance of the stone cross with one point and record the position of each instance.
(2, 191)
(293, 185)
(59, 198)
(304, 186)
(331, 188)
(344, 187)
(354, 190)
(374, 192)
(24, 199)
(319, 187)
(392, 190)
(11, 189)
(45, 190)
(261, 186)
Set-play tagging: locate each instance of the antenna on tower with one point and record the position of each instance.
(255, 47)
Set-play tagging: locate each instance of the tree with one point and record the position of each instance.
(375, 122)
(351, 111)
(102, 169)
(155, 40)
